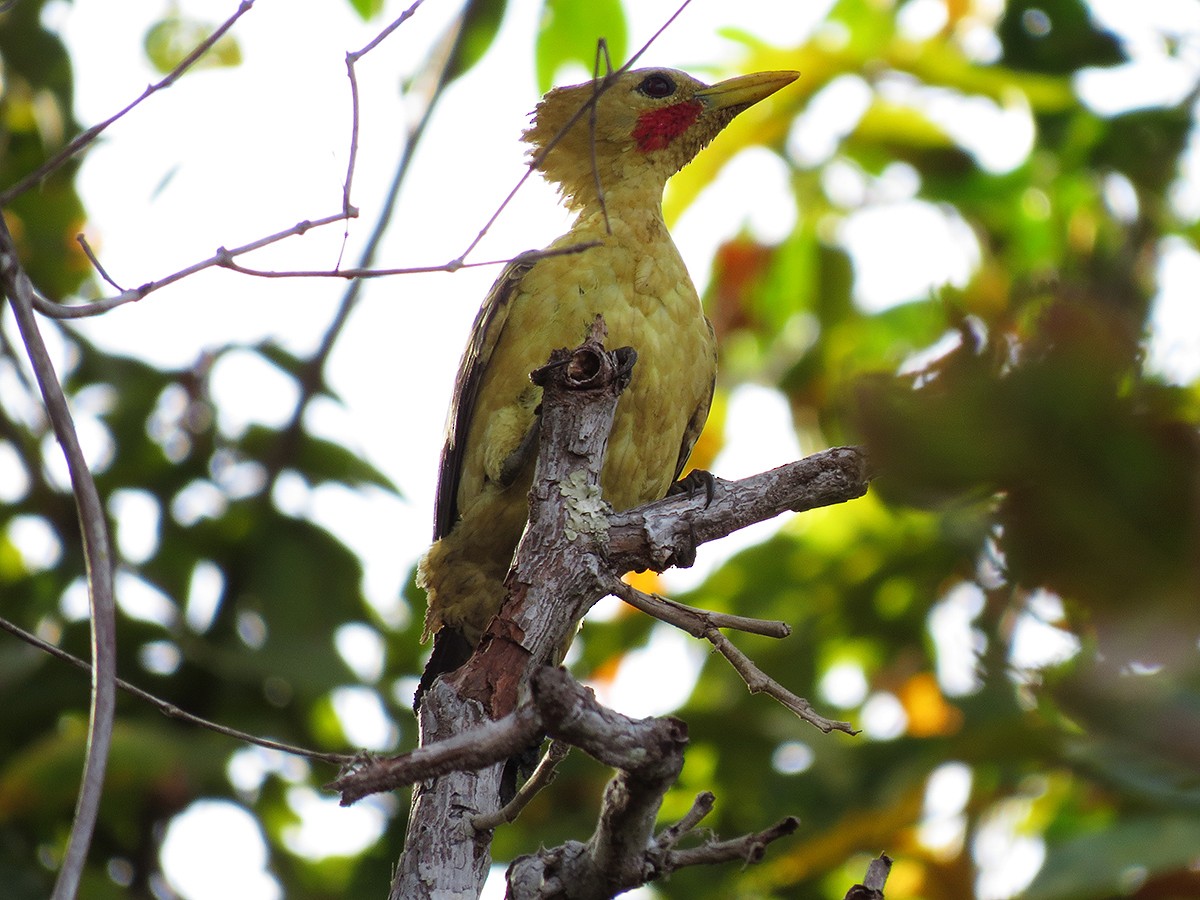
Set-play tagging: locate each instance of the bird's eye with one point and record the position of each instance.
(657, 86)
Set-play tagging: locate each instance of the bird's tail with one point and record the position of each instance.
(450, 650)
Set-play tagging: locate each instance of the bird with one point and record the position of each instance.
(610, 166)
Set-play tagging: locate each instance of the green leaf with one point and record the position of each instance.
(569, 32)
(317, 460)
(170, 41)
(367, 8)
(481, 22)
(1057, 37)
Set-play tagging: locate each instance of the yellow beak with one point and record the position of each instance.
(745, 90)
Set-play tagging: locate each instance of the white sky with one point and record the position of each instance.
(227, 156)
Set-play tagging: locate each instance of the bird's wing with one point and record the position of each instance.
(485, 333)
(695, 424)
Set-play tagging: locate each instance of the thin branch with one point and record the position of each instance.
(749, 848)
(353, 160)
(701, 807)
(84, 138)
(219, 259)
(386, 32)
(313, 379)
(695, 622)
(601, 51)
(452, 266)
(705, 624)
(223, 256)
(666, 532)
(351, 59)
(464, 751)
(99, 569)
(90, 254)
(170, 710)
(543, 775)
(759, 682)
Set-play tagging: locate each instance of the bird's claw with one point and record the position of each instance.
(690, 483)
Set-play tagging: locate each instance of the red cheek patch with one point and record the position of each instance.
(656, 128)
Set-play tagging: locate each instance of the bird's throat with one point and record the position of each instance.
(656, 128)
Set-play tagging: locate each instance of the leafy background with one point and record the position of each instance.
(1037, 477)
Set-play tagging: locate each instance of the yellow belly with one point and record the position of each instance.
(638, 282)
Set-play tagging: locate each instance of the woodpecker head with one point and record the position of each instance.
(649, 123)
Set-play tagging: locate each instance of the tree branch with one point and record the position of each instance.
(541, 778)
(665, 533)
(704, 624)
(221, 257)
(99, 569)
(749, 848)
(872, 886)
(562, 566)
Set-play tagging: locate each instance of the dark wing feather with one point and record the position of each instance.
(484, 335)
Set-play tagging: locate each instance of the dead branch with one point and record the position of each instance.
(666, 532)
(508, 695)
(703, 624)
(541, 778)
(649, 756)
(749, 848)
(486, 743)
(552, 585)
(872, 886)
(695, 622)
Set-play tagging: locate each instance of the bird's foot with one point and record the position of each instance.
(692, 482)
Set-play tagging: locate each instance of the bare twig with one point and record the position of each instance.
(749, 848)
(351, 59)
(170, 710)
(622, 853)
(98, 560)
(452, 266)
(759, 682)
(695, 622)
(221, 257)
(541, 778)
(387, 31)
(84, 138)
(601, 52)
(704, 624)
(90, 254)
(701, 807)
(873, 884)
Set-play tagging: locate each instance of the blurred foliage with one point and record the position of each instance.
(170, 41)
(568, 34)
(1035, 478)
